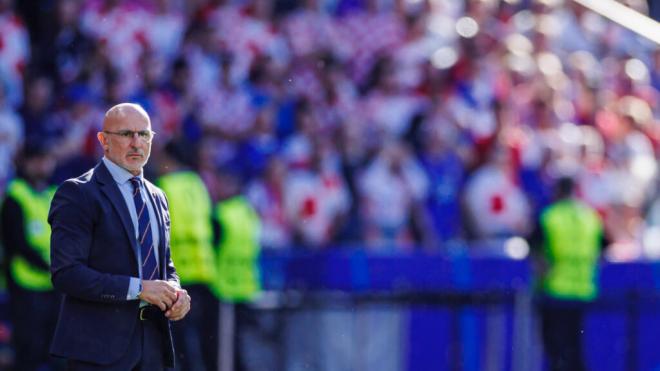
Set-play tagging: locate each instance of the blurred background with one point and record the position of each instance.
(398, 154)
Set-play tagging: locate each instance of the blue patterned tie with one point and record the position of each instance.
(149, 264)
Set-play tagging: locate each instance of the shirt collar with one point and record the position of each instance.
(119, 174)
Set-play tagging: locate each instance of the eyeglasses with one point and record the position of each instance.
(144, 135)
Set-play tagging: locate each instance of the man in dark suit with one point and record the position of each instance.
(110, 257)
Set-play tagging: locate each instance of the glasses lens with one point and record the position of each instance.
(144, 134)
(126, 134)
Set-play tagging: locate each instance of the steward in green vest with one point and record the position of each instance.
(191, 246)
(237, 229)
(30, 270)
(25, 232)
(191, 233)
(238, 251)
(571, 233)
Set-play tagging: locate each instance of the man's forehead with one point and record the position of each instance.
(128, 119)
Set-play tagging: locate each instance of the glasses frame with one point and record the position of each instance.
(122, 134)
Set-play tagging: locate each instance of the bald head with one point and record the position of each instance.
(126, 136)
(122, 112)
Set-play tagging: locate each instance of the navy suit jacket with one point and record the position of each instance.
(93, 256)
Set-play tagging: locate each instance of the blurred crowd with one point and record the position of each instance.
(385, 123)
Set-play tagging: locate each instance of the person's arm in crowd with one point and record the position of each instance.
(14, 235)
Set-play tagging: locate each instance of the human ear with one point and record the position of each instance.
(103, 140)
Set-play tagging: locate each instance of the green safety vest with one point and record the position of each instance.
(238, 251)
(191, 233)
(572, 246)
(35, 207)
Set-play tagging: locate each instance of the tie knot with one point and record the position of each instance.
(136, 182)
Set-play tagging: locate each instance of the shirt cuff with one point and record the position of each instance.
(134, 289)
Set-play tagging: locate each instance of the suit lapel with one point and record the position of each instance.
(158, 210)
(111, 190)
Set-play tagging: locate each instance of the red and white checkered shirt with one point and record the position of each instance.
(369, 34)
(14, 53)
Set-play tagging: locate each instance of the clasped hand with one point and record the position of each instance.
(170, 298)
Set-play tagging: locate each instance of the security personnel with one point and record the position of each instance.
(33, 304)
(237, 227)
(191, 243)
(572, 237)
(238, 250)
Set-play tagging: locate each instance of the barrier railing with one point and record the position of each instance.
(471, 309)
(475, 297)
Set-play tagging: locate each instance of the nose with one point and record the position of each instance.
(135, 139)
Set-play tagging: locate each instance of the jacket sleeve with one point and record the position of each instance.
(72, 222)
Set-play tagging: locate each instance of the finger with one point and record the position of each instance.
(175, 313)
(178, 304)
(171, 289)
(170, 302)
(166, 297)
(177, 316)
(167, 301)
(171, 314)
(173, 286)
(166, 286)
(161, 305)
(181, 313)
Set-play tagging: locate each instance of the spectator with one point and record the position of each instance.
(68, 48)
(11, 139)
(14, 53)
(77, 150)
(121, 27)
(494, 202)
(166, 26)
(266, 194)
(38, 111)
(388, 106)
(316, 199)
(363, 46)
(177, 102)
(444, 160)
(392, 190)
(310, 30)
